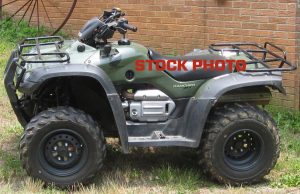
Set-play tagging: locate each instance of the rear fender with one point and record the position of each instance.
(208, 94)
(216, 87)
(39, 76)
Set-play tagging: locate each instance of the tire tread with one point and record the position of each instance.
(58, 114)
(217, 121)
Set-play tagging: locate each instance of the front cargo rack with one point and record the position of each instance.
(36, 43)
(249, 49)
(29, 51)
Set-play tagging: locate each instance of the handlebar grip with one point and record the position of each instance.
(130, 27)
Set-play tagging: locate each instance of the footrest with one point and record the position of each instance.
(150, 141)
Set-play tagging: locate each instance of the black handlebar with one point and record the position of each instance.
(115, 15)
(129, 27)
(103, 28)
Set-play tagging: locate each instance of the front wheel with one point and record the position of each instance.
(63, 146)
(240, 144)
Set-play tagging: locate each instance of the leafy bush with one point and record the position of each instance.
(14, 32)
(286, 119)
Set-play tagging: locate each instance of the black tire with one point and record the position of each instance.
(240, 144)
(62, 146)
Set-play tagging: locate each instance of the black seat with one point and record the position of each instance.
(190, 74)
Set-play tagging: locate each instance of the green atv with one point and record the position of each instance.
(70, 95)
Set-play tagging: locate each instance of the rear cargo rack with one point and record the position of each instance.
(268, 56)
(36, 43)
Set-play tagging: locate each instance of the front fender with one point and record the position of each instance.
(38, 76)
(208, 94)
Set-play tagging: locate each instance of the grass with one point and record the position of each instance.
(164, 170)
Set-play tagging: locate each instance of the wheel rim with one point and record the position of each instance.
(40, 10)
(63, 152)
(243, 149)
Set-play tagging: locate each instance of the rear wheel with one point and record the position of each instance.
(62, 146)
(240, 144)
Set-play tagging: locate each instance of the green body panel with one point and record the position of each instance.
(117, 65)
(124, 59)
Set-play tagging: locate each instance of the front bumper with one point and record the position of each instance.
(11, 85)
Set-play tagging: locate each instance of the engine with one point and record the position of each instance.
(148, 106)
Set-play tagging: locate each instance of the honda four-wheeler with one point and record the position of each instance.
(71, 95)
